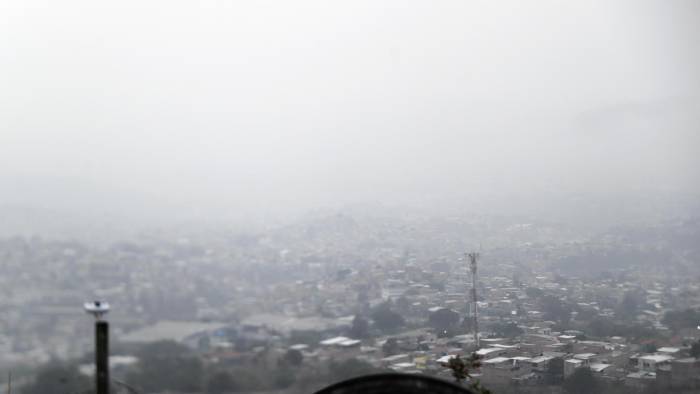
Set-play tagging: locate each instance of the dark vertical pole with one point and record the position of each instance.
(473, 257)
(102, 357)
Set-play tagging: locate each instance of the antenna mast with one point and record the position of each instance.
(474, 308)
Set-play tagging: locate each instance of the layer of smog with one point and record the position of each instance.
(350, 197)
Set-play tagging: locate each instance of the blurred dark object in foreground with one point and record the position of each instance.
(394, 383)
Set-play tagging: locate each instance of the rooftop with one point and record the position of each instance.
(169, 330)
(657, 358)
(487, 351)
(599, 367)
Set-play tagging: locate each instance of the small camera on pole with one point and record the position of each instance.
(98, 309)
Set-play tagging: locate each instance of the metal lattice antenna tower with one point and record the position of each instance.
(473, 257)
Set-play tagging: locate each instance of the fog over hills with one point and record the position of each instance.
(253, 113)
(276, 196)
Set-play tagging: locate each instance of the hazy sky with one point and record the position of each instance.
(247, 105)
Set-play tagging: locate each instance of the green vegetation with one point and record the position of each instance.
(445, 322)
(633, 302)
(386, 319)
(602, 327)
(220, 382)
(461, 371)
(555, 371)
(167, 365)
(556, 310)
(534, 292)
(695, 350)
(678, 320)
(507, 330)
(581, 381)
(360, 327)
(307, 337)
(59, 378)
(293, 358)
(391, 347)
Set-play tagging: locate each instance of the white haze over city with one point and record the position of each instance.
(250, 110)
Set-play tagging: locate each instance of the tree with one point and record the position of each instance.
(461, 368)
(307, 337)
(386, 319)
(390, 347)
(350, 368)
(516, 280)
(467, 324)
(341, 274)
(602, 327)
(293, 357)
(283, 378)
(163, 349)
(556, 310)
(695, 350)
(360, 327)
(220, 382)
(561, 279)
(555, 371)
(632, 303)
(444, 321)
(581, 381)
(437, 285)
(585, 314)
(678, 320)
(167, 365)
(507, 330)
(204, 343)
(248, 378)
(534, 292)
(649, 347)
(403, 305)
(59, 378)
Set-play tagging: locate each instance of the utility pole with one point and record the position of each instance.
(98, 309)
(474, 308)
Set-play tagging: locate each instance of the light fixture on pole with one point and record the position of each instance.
(99, 309)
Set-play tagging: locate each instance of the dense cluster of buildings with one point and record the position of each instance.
(319, 289)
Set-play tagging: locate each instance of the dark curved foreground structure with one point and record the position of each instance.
(394, 383)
